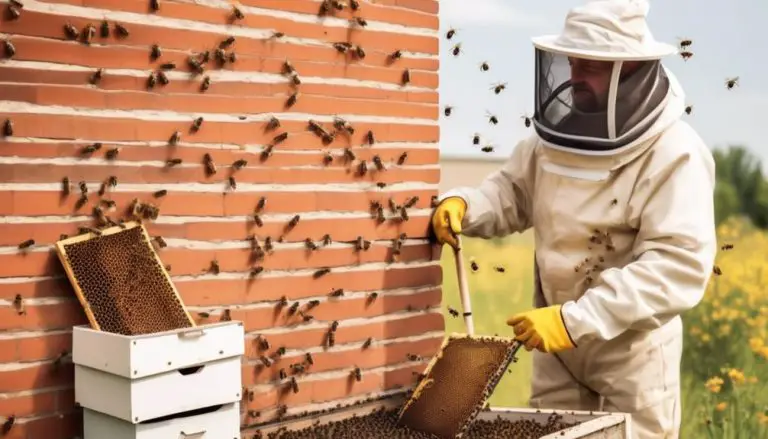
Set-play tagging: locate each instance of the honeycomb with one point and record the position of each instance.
(382, 424)
(456, 384)
(121, 282)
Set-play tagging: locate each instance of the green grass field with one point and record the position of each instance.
(726, 346)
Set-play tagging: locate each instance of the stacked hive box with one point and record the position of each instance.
(57, 105)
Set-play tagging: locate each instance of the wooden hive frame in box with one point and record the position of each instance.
(166, 308)
(428, 387)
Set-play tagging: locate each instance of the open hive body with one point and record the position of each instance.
(450, 402)
(121, 283)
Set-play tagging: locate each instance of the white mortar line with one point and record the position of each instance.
(38, 391)
(241, 187)
(172, 116)
(247, 147)
(219, 76)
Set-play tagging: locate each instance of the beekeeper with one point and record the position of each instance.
(619, 192)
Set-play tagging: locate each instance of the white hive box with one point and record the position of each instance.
(143, 377)
(223, 423)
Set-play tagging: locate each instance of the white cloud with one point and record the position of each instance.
(459, 13)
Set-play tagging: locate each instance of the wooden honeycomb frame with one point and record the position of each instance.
(491, 381)
(139, 307)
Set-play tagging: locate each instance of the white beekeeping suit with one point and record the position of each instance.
(619, 191)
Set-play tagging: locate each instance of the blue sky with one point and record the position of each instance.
(727, 42)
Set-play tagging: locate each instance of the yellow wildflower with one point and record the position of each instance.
(714, 384)
(721, 406)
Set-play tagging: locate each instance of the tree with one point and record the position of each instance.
(727, 202)
(738, 168)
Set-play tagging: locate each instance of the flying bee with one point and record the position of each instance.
(403, 157)
(456, 49)
(688, 109)
(726, 247)
(406, 78)
(732, 82)
(447, 110)
(500, 269)
(716, 270)
(453, 312)
(451, 32)
(526, 120)
(492, 118)
(684, 43)
(686, 55)
(484, 66)
(498, 88)
(9, 49)
(487, 148)
(210, 166)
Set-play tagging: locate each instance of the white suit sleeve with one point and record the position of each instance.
(501, 204)
(673, 255)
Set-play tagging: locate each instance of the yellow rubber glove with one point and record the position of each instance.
(446, 221)
(542, 329)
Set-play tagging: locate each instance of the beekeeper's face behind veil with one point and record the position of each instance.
(596, 91)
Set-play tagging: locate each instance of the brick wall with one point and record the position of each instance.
(54, 110)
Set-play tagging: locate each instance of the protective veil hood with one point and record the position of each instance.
(600, 84)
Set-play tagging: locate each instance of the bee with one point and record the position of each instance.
(406, 78)
(362, 168)
(492, 118)
(380, 214)
(18, 303)
(151, 81)
(88, 33)
(112, 180)
(232, 182)
(614, 202)
(451, 32)
(349, 155)
(8, 128)
(397, 54)
(294, 385)
(685, 43)
(266, 361)
(96, 77)
(90, 149)
(500, 269)
(206, 84)
(412, 357)
(65, 186)
(210, 166)
(688, 109)
(293, 222)
(456, 49)
(453, 312)
(71, 31)
(112, 153)
(334, 325)
(305, 317)
(360, 52)
(267, 152)
(716, 270)
(411, 202)
(282, 374)
(370, 138)
(321, 272)
(175, 137)
(498, 88)
(277, 34)
(726, 247)
(379, 164)
(160, 193)
(338, 292)
(312, 304)
(239, 164)
(404, 214)
(232, 57)
(272, 124)
(358, 374)
(292, 100)
(195, 125)
(327, 158)
(81, 201)
(731, 82)
(261, 203)
(172, 162)
(342, 47)
(298, 368)
(102, 189)
(14, 11)
(360, 21)
(326, 239)
(308, 358)
(330, 339)
(488, 148)
(121, 30)
(255, 271)
(104, 29)
(154, 5)
(215, 268)
(9, 49)
(686, 55)
(325, 7)
(294, 307)
(476, 139)
(263, 343)
(433, 202)
(359, 243)
(372, 297)
(484, 66)
(83, 188)
(392, 205)
(162, 77)
(237, 14)
(26, 244)
(310, 245)
(367, 343)
(447, 110)
(354, 4)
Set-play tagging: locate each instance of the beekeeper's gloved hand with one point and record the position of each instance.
(542, 329)
(446, 221)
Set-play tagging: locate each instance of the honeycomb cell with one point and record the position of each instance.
(121, 283)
